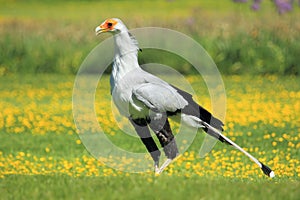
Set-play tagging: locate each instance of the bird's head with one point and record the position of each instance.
(113, 25)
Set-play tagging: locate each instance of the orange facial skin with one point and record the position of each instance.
(108, 25)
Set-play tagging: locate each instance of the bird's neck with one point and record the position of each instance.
(126, 52)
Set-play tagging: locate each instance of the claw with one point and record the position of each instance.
(167, 163)
(164, 165)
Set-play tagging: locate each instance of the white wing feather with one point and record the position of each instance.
(159, 97)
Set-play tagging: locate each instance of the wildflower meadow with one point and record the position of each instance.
(42, 155)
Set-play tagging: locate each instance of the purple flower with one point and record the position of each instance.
(283, 6)
(255, 6)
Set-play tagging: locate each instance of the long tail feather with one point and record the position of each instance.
(266, 170)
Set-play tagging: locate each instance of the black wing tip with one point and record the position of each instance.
(223, 140)
(267, 171)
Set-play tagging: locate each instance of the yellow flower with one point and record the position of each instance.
(78, 141)
(47, 149)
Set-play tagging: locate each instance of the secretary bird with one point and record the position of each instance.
(147, 101)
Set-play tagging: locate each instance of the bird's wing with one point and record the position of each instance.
(194, 109)
(159, 97)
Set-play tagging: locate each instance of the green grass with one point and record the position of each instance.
(54, 109)
(139, 187)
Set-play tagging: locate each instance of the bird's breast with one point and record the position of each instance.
(127, 106)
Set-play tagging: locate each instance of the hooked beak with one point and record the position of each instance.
(100, 30)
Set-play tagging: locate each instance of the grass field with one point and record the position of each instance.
(41, 155)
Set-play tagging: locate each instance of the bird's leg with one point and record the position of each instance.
(165, 137)
(144, 133)
(167, 141)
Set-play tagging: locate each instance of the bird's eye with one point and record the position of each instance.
(109, 24)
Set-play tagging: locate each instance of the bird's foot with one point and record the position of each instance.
(166, 164)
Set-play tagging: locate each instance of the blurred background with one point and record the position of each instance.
(55, 36)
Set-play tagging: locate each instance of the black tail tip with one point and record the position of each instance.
(267, 171)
